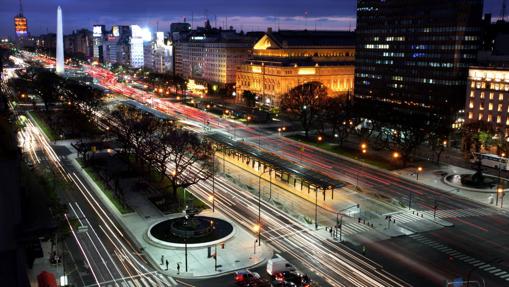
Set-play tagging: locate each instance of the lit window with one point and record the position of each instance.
(472, 85)
(499, 119)
(492, 96)
(490, 117)
(500, 97)
(472, 94)
(483, 85)
(482, 95)
(471, 104)
(490, 107)
(480, 117)
(470, 115)
(499, 107)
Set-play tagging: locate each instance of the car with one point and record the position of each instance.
(277, 283)
(246, 277)
(299, 279)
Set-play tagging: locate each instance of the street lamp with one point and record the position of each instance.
(395, 155)
(501, 194)
(364, 150)
(257, 228)
(419, 170)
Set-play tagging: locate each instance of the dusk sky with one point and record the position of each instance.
(242, 14)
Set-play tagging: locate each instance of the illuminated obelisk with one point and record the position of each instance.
(60, 43)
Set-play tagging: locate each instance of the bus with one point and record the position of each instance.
(492, 160)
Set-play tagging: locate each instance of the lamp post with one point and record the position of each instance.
(340, 223)
(419, 170)
(213, 179)
(500, 166)
(501, 194)
(364, 150)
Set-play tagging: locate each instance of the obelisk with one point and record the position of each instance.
(60, 43)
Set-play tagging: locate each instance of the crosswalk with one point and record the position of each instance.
(160, 281)
(354, 228)
(407, 217)
(486, 267)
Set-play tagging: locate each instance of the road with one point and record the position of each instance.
(486, 230)
(101, 253)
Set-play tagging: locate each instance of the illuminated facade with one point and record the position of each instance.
(285, 59)
(488, 96)
(212, 55)
(415, 57)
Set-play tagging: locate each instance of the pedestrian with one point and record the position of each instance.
(162, 260)
(330, 230)
(167, 264)
(178, 268)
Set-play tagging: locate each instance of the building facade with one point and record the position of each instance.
(285, 59)
(79, 44)
(415, 57)
(488, 96)
(211, 55)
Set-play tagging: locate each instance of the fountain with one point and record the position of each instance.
(190, 229)
(478, 179)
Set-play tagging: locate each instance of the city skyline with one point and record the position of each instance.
(248, 16)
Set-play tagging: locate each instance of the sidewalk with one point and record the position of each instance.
(432, 176)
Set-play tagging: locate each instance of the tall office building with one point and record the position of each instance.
(20, 27)
(413, 56)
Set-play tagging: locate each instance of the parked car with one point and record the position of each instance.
(297, 278)
(246, 278)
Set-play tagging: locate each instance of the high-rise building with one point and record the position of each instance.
(212, 55)
(413, 56)
(98, 34)
(79, 44)
(20, 26)
(285, 59)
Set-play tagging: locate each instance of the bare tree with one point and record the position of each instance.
(305, 103)
(189, 156)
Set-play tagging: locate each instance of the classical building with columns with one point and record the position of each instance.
(285, 59)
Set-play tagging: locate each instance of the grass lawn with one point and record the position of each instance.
(375, 161)
(44, 126)
(105, 189)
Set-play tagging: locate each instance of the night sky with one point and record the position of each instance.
(248, 15)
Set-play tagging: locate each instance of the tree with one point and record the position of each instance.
(249, 98)
(48, 86)
(337, 112)
(134, 129)
(305, 102)
(440, 130)
(189, 157)
(476, 134)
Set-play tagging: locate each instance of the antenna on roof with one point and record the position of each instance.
(20, 8)
(504, 6)
(305, 20)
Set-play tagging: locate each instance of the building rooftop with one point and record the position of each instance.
(307, 38)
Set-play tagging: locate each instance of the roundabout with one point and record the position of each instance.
(191, 230)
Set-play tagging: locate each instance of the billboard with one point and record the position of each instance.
(98, 30)
(116, 31)
(20, 26)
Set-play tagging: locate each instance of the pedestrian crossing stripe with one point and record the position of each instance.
(486, 267)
